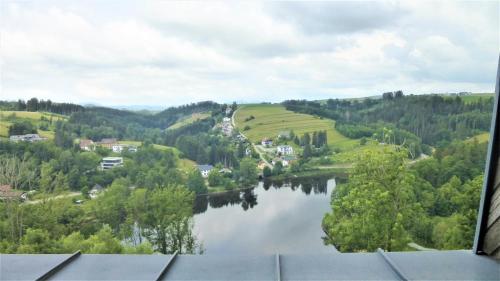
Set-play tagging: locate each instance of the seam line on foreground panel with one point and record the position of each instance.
(59, 266)
(166, 267)
(392, 265)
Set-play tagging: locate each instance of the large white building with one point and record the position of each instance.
(111, 162)
(284, 149)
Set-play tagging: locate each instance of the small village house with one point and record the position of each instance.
(284, 150)
(266, 142)
(87, 145)
(205, 170)
(108, 142)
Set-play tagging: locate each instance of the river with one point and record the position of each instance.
(273, 217)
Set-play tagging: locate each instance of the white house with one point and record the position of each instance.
(111, 162)
(205, 169)
(87, 145)
(118, 148)
(266, 142)
(284, 149)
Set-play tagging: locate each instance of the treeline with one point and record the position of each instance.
(99, 122)
(35, 104)
(434, 119)
(388, 203)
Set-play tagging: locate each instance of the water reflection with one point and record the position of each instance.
(279, 216)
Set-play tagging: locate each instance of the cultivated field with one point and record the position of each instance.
(270, 120)
(189, 119)
(475, 97)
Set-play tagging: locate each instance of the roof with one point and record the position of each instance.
(109, 140)
(86, 142)
(5, 188)
(112, 158)
(6, 191)
(430, 265)
(205, 167)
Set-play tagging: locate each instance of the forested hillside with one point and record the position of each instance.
(414, 121)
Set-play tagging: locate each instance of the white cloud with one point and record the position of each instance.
(168, 53)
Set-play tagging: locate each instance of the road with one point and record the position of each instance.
(261, 154)
(72, 194)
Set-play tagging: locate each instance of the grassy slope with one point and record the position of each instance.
(184, 164)
(190, 119)
(33, 117)
(272, 119)
(484, 137)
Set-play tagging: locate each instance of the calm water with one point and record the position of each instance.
(282, 217)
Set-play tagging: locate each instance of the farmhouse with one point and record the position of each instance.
(205, 169)
(266, 142)
(108, 143)
(87, 145)
(111, 162)
(285, 150)
(27, 137)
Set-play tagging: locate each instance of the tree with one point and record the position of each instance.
(278, 168)
(110, 207)
(168, 225)
(376, 207)
(248, 172)
(267, 172)
(215, 178)
(21, 128)
(307, 152)
(195, 182)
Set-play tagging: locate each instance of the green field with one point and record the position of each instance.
(189, 119)
(7, 117)
(484, 137)
(184, 164)
(272, 119)
(475, 97)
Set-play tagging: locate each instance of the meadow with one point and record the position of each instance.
(189, 119)
(7, 117)
(271, 119)
(475, 97)
(185, 164)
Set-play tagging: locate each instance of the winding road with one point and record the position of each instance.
(256, 148)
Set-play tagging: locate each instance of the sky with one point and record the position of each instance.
(164, 53)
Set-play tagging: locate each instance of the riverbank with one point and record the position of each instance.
(337, 172)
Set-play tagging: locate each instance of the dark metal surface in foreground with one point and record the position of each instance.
(435, 265)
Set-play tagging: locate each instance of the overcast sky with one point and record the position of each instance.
(168, 53)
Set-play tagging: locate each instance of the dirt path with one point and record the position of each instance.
(38, 201)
